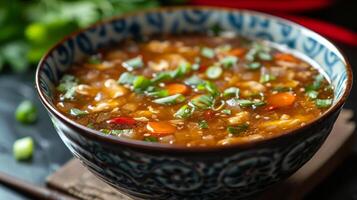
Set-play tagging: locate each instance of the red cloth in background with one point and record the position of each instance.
(285, 8)
(268, 5)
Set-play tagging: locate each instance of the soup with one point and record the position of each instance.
(193, 90)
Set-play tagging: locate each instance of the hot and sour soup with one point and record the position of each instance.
(193, 90)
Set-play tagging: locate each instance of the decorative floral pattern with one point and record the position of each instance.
(225, 175)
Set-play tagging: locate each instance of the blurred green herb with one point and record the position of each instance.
(29, 28)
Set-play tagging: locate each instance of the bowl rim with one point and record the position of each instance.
(113, 140)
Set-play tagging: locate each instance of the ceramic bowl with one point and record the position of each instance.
(157, 171)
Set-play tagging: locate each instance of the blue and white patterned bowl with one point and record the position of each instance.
(158, 171)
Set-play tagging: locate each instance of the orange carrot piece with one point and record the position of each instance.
(281, 100)
(160, 129)
(177, 88)
(285, 57)
(237, 52)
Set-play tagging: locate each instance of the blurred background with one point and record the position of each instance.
(28, 28)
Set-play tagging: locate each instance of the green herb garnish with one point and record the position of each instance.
(231, 92)
(247, 103)
(140, 83)
(150, 139)
(203, 124)
(170, 100)
(202, 102)
(265, 78)
(254, 65)
(158, 93)
(67, 86)
(238, 129)
(77, 113)
(323, 103)
(194, 80)
(229, 61)
(184, 112)
(216, 29)
(316, 84)
(207, 52)
(90, 125)
(162, 76)
(197, 64)
(183, 69)
(133, 63)
(126, 78)
(312, 94)
(226, 111)
(116, 131)
(265, 56)
(95, 59)
(214, 72)
(282, 89)
(211, 88)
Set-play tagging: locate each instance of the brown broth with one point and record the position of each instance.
(277, 91)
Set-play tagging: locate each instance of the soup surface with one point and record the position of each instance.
(193, 90)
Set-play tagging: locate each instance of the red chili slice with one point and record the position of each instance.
(208, 115)
(202, 68)
(122, 121)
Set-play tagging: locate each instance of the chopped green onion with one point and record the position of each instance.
(259, 103)
(95, 59)
(254, 65)
(323, 103)
(223, 48)
(150, 139)
(244, 102)
(264, 56)
(196, 65)
(238, 129)
(126, 78)
(207, 52)
(184, 112)
(203, 124)
(77, 113)
(162, 76)
(116, 131)
(134, 63)
(250, 56)
(265, 78)
(26, 112)
(211, 88)
(169, 100)
(158, 93)
(316, 84)
(312, 94)
(214, 72)
(194, 80)
(226, 111)
(23, 148)
(90, 125)
(232, 91)
(282, 89)
(229, 61)
(247, 103)
(183, 69)
(141, 83)
(216, 29)
(202, 102)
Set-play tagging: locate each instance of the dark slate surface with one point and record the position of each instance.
(51, 152)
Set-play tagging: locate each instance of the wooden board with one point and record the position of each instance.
(75, 179)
